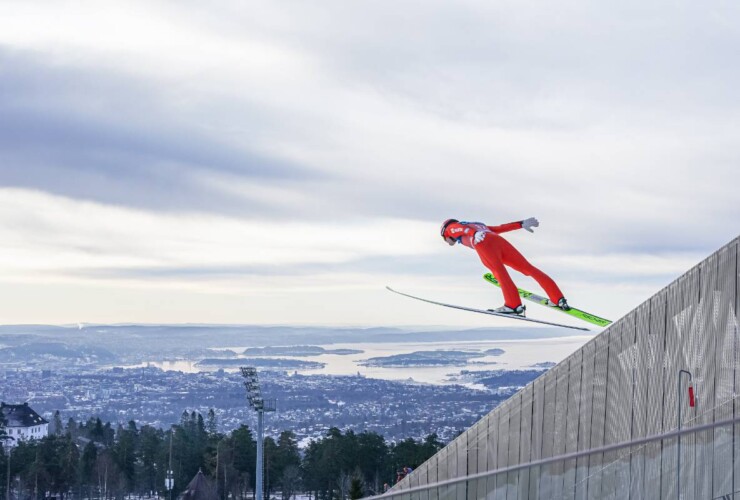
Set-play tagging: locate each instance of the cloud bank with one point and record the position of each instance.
(307, 155)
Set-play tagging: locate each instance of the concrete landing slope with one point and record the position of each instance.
(627, 383)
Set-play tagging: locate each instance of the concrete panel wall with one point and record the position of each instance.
(622, 385)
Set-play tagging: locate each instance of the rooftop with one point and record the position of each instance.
(21, 415)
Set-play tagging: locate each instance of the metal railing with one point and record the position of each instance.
(551, 460)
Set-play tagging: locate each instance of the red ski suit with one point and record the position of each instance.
(496, 253)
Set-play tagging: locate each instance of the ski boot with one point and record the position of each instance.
(563, 304)
(504, 309)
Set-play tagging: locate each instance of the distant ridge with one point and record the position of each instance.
(109, 336)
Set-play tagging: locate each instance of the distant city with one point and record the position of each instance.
(81, 372)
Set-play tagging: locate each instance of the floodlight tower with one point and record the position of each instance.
(260, 405)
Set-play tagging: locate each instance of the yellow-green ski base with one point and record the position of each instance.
(532, 297)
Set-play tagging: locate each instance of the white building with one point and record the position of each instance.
(22, 423)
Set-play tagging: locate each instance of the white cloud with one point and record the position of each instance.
(55, 235)
(614, 123)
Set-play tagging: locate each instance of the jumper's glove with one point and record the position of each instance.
(479, 236)
(528, 224)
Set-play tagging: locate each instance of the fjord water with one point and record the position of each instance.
(518, 355)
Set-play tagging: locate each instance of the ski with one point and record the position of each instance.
(490, 313)
(576, 313)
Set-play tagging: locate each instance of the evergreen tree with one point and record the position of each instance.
(412, 453)
(327, 463)
(93, 429)
(49, 464)
(190, 446)
(58, 426)
(124, 453)
(286, 456)
(211, 423)
(72, 428)
(229, 480)
(87, 475)
(431, 445)
(133, 461)
(151, 452)
(3, 425)
(69, 465)
(355, 489)
(290, 481)
(245, 454)
(310, 468)
(200, 438)
(108, 434)
(373, 457)
(4, 437)
(185, 458)
(23, 462)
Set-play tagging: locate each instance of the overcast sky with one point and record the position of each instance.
(281, 162)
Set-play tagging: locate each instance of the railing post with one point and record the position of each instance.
(678, 458)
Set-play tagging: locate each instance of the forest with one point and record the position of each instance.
(93, 459)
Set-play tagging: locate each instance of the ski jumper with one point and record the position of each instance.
(496, 253)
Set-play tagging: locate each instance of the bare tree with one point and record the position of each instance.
(344, 482)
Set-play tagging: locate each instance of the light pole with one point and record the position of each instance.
(260, 405)
(678, 411)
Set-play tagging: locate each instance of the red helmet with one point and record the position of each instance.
(445, 224)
